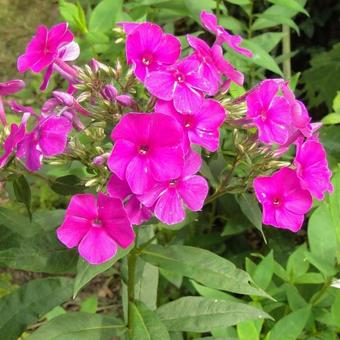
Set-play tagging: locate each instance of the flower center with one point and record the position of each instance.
(188, 121)
(143, 149)
(263, 115)
(97, 223)
(276, 201)
(180, 78)
(147, 59)
(172, 183)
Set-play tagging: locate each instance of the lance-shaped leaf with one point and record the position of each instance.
(203, 266)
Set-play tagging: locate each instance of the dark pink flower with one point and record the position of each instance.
(312, 167)
(44, 47)
(149, 49)
(96, 226)
(48, 138)
(169, 198)
(135, 210)
(7, 88)
(209, 22)
(269, 112)
(128, 27)
(200, 128)
(147, 147)
(283, 199)
(16, 135)
(213, 65)
(181, 83)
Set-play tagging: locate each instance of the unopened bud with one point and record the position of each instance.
(109, 92)
(92, 182)
(64, 98)
(126, 100)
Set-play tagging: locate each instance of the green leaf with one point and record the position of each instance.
(247, 331)
(196, 7)
(297, 263)
(335, 310)
(17, 223)
(41, 252)
(293, 4)
(322, 236)
(295, 300)
(203, 266)
(261, 57)
(336, 102)
(67, 185)
(69, 12)
(104, 15)
(25, 305)
(321, 79)
(335, 207)
(89, 305)
(331, 119)
(22, 192)
(268, 40)
(290, 326)
(199, 314)
(79, 326)
(250, 208)
(264, 271)
(86, 271)
(174, 278)
(146, 324)
(240, 2)
(147, 285)
(309, 278)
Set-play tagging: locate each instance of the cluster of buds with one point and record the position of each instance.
(164, 113)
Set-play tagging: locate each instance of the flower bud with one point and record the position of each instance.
(64, 98)
(109, 92)
(126, 100)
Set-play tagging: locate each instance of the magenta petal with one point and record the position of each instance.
(133, 127)
(192, 164)
(166, 163)
(289, 220)
(186, 99)
(97, 246)
(118, 188)
(11, 87)
(138, 175)
(209, 21)
(194, 191)
(122, 153)
(84, 206)
(169, 208)
(165, 130)
(72, 231)
(150, 197)
(69, 52)
(168, 49)
(3, 118)
(161, 84)
(137, 212)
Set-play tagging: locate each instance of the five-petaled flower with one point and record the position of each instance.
(97, 226)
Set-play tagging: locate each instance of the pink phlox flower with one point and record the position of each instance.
(6, 89)
(169, 198)
(200, 128)
(48, 138)
(312, 167)
(209, 22)
(97, 226)
(147, 147)
(16, 135)
(135, 210)
(149, 49)
(129, 27)
(181, 83)
(44, 47)
(50, 50)
(208, 69)
(225, 67)
(269, 112)
(283, 199)
(301, 120)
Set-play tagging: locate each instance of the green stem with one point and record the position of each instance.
(132, 260)
(286, 49)
(218, 2)
(319, 295)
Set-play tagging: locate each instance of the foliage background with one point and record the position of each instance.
(300, 271)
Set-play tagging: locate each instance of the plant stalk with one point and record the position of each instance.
(286, 49)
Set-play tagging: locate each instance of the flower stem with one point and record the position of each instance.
(132, 260)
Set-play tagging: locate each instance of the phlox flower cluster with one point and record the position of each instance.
(286, 195)
(155, 159)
